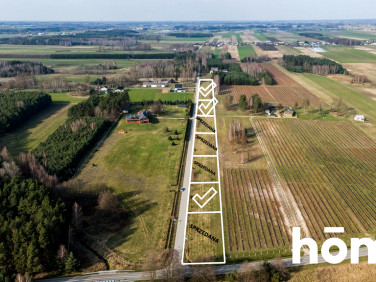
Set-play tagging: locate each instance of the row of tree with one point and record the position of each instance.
(16, 107)
(14, 68)
(61, 153)
(302, 63)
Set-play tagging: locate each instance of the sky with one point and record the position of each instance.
(185, 10)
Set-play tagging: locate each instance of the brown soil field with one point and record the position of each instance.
(278, 76)
(285, 94)
(248, 36)
(310, 53)
(233, 50)
(367, 69)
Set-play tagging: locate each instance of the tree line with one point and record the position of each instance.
(114, 56)
(335, 40)
(16, 107)
(64, 148)
(14, 68)
(302, 63)
(107, 106)
(189, 34)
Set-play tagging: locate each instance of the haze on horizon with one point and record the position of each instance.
(185, 10)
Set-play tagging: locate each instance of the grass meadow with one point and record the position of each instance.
(344, 54)
(134, 166)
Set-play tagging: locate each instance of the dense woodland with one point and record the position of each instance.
(248, 73)
(107, 106)
(31, 227)
(63, 149)
(304, 63)
(16, 107)
(14, 68)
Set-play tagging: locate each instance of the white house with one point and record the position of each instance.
(104, 89)
(154, 84)
(359, 118)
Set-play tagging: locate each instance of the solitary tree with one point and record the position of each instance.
(256, 103)
(243, 104)
(306, 104)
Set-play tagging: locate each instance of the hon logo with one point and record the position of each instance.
(332, 258)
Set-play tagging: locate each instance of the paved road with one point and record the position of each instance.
(179, 238)
(220, 269)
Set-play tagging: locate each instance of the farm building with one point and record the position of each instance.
(213, 69)
(104, 89)
(120, 89)
(288, 112)
(140, 117)
(359, 118)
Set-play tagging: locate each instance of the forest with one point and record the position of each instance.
(16, 107)
(107, 106)
(302, 63)
(189, 34)
(62, 151)
(114, 56)
(14, 68)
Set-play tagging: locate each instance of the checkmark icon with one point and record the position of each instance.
(204, 91)
(208, 196)
(204, 108)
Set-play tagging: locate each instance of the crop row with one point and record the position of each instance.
(251, 211)
(329, 168)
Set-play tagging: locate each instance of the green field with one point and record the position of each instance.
(246, 51)
(142, 94)
(260, 36)
(215, 40)
(35, 130)
(134, 166)
(239, 38)
(348, 55)
(351, 97)
(64, 98)
(350, 34)
(217, 52)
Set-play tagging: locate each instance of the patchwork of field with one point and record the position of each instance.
(329, 169)
(363, 68)
(248, 36)
(289, 50)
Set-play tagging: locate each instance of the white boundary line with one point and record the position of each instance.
(198, 90)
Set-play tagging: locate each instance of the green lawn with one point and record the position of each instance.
(246, 51)
(344, 54)
(65, 98)
(141, 94)
(360, 102)
(35, 130)
(217, 52)
(134, 165)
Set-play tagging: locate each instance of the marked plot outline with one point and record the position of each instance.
(203, 234)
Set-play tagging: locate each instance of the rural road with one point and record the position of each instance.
(220, 269)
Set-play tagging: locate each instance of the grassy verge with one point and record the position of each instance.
(141, 94)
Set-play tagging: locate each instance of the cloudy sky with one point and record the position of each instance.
(185, 10)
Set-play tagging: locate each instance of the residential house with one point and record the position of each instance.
(140, 117)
